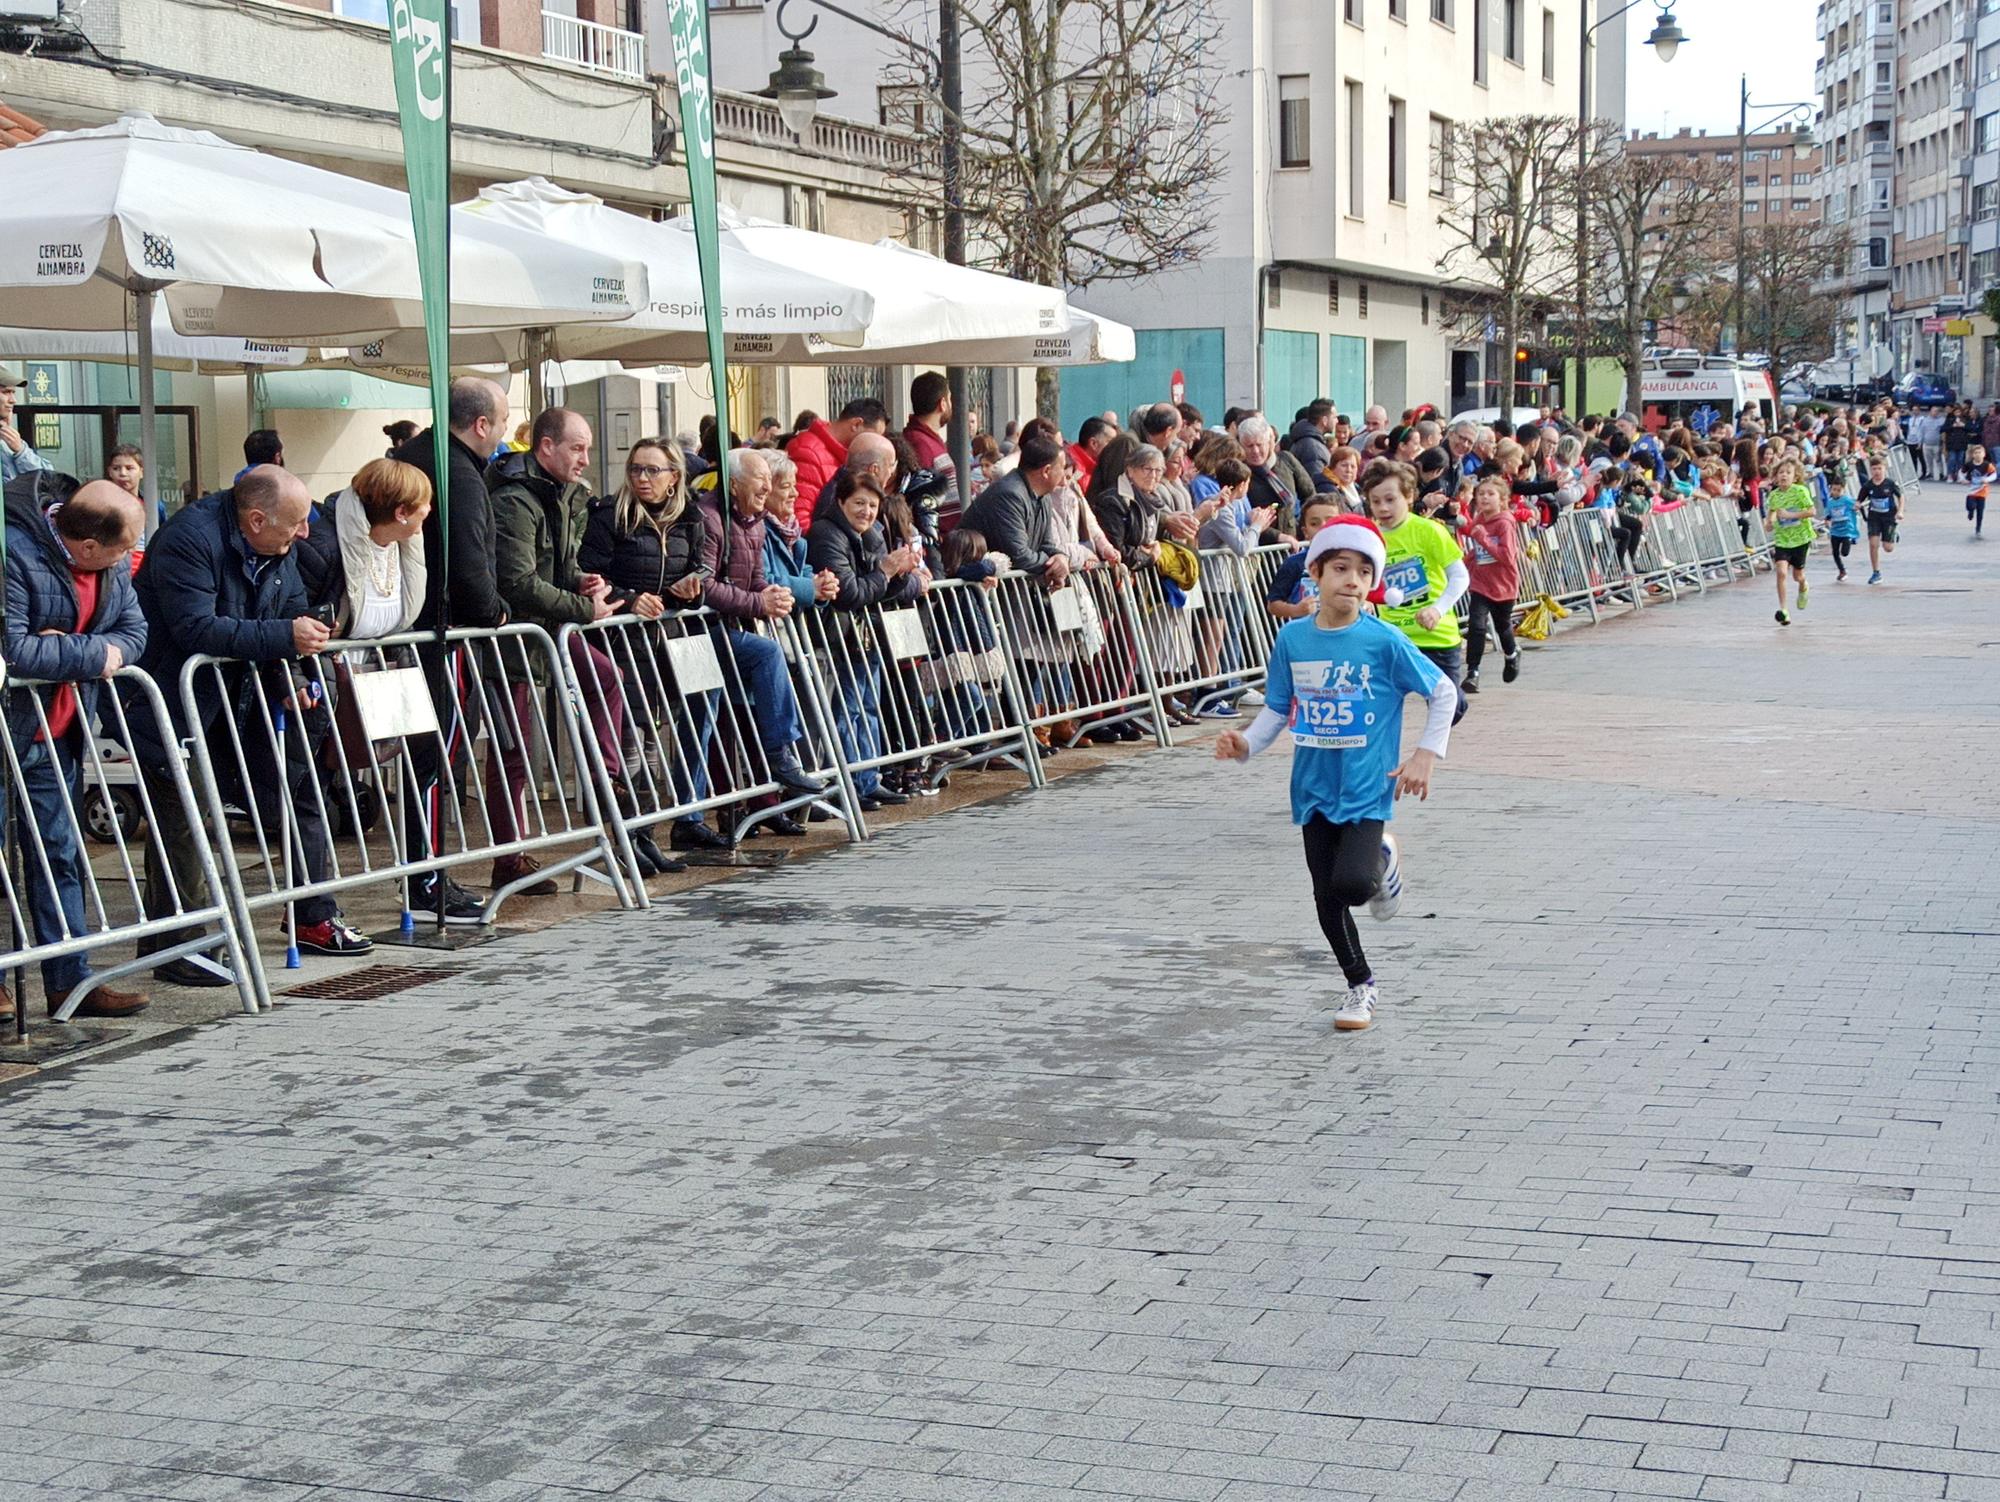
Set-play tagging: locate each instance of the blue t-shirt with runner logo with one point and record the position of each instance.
(1341, 693)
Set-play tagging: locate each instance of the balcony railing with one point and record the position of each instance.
(740, 117)
(587, 44)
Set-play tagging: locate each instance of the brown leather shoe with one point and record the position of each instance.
(105, 1001)
(6, 1005)
(511, 868)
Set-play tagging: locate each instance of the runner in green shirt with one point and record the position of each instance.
(1425, 575)
(1791, 509)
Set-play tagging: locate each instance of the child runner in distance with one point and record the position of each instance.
(1843, 518)
(1492, 542)
(1292, 595)
(1337, 681)
(1792, 512)
(1425, 575)
(1980, 473)
(1882, 504)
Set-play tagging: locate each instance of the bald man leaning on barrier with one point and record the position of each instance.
(72, 619)
(220, 580)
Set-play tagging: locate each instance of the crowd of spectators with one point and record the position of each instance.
(818, 522)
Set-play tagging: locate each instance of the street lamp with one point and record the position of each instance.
(1665, 39)
(1800, 111)
(796, 85)
(798, 88)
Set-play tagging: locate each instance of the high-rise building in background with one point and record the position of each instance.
(1781, 169)
(1910, 119)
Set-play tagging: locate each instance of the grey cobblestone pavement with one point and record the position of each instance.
(1014, 1157)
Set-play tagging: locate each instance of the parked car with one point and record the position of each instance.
(1924, 388)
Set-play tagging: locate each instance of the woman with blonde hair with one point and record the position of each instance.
(647, 539)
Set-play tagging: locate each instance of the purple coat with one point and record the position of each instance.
(734, 591)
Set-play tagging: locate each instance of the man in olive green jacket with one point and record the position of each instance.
(539, 505)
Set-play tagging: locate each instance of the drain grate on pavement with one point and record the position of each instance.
(374, 982)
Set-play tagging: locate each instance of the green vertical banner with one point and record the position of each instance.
(420, 52)
(688, 21)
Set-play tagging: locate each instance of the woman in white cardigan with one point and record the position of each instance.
(379, 523)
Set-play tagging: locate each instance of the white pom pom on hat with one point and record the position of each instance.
(1356, 534)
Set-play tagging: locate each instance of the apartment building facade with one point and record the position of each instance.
(1910, 93)
(1780, 170)
(571, 90)
(1322, 276)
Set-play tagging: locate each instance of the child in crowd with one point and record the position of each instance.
(1425, 576)
(1292, 594)
(1337, 682)
(1979, 476)
(1792, 510)
(1492, 541)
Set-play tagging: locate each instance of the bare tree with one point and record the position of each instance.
(1090, 137)
(1508, 226)
(1657, 225)
(1786, 314)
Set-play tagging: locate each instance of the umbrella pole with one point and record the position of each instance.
(538, 357)
(149, 478)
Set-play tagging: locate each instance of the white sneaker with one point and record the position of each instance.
(1251, 697)
(1389, 896)
(1359, 1010)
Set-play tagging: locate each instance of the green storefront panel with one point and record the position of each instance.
(1088, 390)
(1291, 374)
(1347, 373)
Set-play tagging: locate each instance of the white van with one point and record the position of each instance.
(1678, 386)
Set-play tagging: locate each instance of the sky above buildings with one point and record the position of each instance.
(1771, 40)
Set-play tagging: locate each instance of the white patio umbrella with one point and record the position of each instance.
(923, 304)
(1089, 340)
(95, 224)
(171, 349)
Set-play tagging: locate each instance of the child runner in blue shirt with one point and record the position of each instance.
(1336, 682)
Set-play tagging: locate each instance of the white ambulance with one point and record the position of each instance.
(1683, 386)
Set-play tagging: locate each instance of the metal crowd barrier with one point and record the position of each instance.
(470, 754)
(924, 686)
(1079, 653)
(1204, 644)
(1903, 469)
(677, 715)
(61, 802)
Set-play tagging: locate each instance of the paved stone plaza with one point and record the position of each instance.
(1014, 1156)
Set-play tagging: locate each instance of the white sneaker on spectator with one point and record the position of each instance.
(1358, 1011)
(1252, 698)
(1389, 896)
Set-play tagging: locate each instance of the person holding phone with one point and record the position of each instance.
(221, 579)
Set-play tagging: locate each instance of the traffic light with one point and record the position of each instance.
(1521, 354)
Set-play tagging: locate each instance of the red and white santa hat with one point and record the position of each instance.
(1356, 534)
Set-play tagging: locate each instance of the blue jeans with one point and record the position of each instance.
(45, 777)
(858, 713)
(760, 667)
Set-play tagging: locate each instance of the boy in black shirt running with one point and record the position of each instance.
(1882, 503)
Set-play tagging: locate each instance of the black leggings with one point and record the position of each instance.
(1346, 865)
(1630, 530)
(1480, 610)
(1842, 546)
(1975, 512)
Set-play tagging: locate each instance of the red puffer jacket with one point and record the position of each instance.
(819, 457)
